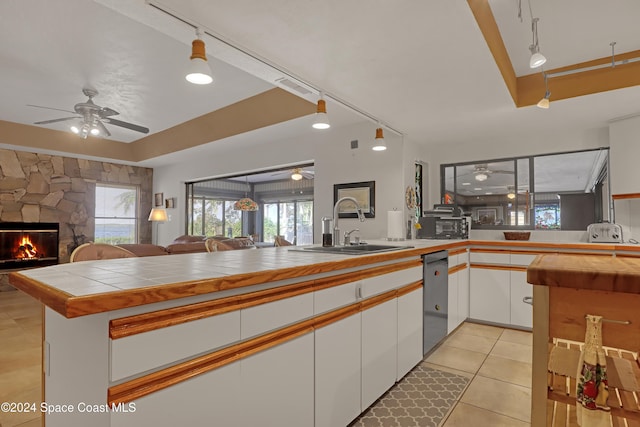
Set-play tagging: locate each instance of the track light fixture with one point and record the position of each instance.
(537, 59)
(379, 143)
(199, 70)
(321, 119)
(544, 102)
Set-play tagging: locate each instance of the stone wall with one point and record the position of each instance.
(47, 188)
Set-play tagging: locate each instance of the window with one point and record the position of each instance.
(285, 206)
(548, 192)
(116, 214)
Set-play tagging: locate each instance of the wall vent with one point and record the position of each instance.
(293, 86)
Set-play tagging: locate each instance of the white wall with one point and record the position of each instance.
(335, 163)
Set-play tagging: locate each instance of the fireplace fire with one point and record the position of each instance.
(25, 245)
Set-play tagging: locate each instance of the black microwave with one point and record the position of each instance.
(433, 227)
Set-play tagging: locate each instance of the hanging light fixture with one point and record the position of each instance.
(321, 119)
(199, 70)
(481, 177)
(246, 203)
(544, 102)
(379, 143)
(537, 59)
(296, 175)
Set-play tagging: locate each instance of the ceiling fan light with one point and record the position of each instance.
(379, 144)
(95, 131)
(296, 176)
(511, 196)
(321, 119)
(199, 70)
(75, 129)
(481, 177)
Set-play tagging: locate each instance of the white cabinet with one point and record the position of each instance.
(463, 295)
(276, 386)
(337, 372)
(490, 298)
(453, 315)
(409, 332)
(211, 399)
(379, 342)
(521, 313)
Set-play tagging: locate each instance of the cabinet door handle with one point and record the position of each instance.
(528, 300)
(359, 292)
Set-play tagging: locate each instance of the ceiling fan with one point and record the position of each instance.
(297, 174)
(91, 118)
(481, 172)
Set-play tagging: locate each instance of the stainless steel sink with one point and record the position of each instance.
(351, 250)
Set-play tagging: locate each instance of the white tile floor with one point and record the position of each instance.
(498, 361)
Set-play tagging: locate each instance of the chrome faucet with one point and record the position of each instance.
(336, 229)
(347, 236)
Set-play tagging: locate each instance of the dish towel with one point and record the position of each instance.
(592, 387)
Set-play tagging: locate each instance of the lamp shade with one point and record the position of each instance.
(158, 215)
(537, 59)
(199, 71)
(245, 204)
(379, 143)
(296, 175)
(544, 102)
(321, 119)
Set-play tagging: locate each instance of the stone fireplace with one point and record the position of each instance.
(26, 245)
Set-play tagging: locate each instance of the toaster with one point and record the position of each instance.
(604, 233)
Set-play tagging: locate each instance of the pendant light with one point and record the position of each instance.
(378, 143)
(537, 59)
(321, 119)
(199, 70)
(544, 102)
(246, 203)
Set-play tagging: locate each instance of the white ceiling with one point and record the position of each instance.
(421, 67)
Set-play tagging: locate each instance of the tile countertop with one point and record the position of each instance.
(89, 287)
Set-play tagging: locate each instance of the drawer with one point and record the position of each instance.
(273, 315)
(386, 282)
(335, 297)
(522, 259)
(490, 258)
(148, 350)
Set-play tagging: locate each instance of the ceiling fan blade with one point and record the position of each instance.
(103, 129)
(126, 125)
(50, 108)
(45, 122)
(106, 112)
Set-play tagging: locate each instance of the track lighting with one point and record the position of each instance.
(199, 70)
(544, 102)
(321, 119)
(537, 59)
(378, 143)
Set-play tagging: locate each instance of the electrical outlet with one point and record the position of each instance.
(354, 144)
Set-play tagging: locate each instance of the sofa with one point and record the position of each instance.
(181, 245)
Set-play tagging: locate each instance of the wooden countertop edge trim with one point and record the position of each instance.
(530, 244)
(156, 381)
(625, 196)
(49, 296)
(341, 279)
(457, 251)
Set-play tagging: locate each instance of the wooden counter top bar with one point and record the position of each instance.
(98, 286)
(614, 274)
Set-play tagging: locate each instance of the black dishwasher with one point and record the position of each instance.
(436, 295)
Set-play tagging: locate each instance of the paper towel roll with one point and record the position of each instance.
(395, 225)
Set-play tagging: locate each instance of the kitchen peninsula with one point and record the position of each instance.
(230, 337)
